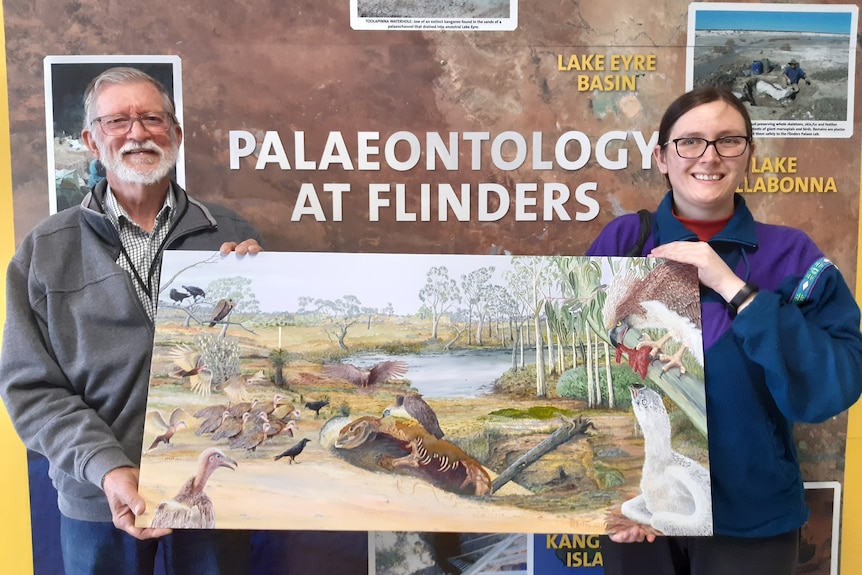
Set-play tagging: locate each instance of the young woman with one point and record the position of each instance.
(781, 343)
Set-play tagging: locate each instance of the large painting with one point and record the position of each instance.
(391, 392)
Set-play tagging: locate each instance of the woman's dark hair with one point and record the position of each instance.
(695, 98)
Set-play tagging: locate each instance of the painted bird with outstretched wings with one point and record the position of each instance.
(366, 378)
(175, 422)
(188, 362)
(667, 297)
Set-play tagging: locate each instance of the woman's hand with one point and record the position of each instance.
(711, 269)
(632, 535)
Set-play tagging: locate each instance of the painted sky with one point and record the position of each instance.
(281, 278)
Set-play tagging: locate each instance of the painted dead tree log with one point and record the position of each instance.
(570, 429)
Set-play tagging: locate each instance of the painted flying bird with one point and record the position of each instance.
(668, 297)
(316, 406)
(412, 406)
(221, 310)
(192, 508)
(294, 451)
(188, 362)
(195, 292)
(236, 387)
(175, 423)
(365, 378)
(178, 296)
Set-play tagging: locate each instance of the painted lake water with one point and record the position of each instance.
(454, 374)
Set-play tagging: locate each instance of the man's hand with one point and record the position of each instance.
(808, 82)
(249, 246)
(121, 488)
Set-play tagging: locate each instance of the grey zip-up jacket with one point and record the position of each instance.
(77, 344)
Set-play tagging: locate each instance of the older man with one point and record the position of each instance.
(81, 297)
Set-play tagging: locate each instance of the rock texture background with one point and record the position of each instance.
(260, 65)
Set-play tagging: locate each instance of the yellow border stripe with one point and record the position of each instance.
(15, 541)
(851, 513)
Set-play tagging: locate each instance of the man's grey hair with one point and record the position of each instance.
(121, 75)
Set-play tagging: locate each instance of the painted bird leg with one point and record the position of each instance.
(655, 346)
(674, 360)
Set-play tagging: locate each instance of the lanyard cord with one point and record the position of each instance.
(147, 286)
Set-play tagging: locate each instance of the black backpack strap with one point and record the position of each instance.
(643, 234)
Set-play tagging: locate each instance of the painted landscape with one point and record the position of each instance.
(408, 393)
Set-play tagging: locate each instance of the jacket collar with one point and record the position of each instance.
(740, 229)
(191, 215)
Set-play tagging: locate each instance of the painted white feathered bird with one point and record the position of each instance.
(668, 297)
(675, 490)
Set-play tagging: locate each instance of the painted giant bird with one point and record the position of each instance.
(412, 406)
(221, 311)
(667, 297)
(365, 378)
(192, 508)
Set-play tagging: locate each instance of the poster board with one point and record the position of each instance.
(394, 396)
(286, 49)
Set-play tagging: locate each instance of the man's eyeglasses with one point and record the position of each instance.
(121, 124)
(726, 147)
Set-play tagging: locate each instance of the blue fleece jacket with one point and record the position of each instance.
(793, 354)
(77, 344)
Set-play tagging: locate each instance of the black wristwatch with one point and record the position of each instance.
(742, 295)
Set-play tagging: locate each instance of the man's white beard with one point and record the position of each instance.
(131, 173)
